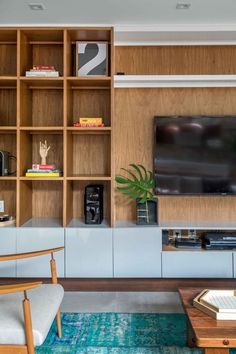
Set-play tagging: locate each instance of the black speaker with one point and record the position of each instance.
(93, 204)
(4, 163)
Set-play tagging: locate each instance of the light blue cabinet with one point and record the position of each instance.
(194, 264)
(137, 252)
(34, 239)
(234, 264)
(89, 252)
(103, 252)
(8, 246)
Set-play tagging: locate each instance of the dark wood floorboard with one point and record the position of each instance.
(79, 284)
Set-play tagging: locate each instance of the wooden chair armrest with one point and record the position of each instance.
(14, 288)
(12, 257)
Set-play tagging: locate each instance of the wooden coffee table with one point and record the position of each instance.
(214, 336)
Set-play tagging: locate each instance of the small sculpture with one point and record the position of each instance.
(43, 151)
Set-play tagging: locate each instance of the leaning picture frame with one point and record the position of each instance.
(91, 59)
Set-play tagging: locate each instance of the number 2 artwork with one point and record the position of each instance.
(91, 58)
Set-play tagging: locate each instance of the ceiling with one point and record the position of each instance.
(220, 14)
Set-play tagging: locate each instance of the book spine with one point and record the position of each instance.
(51, 174)
(88, 125)
(90, 120)
(41, 73)
(43, 167)
(41, 171)
(43, 67)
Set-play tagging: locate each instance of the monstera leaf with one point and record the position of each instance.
(138, 184)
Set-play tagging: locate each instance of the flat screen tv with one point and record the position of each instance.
(195, 155)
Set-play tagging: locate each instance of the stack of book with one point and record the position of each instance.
(89, 123)
(219, 304)
(42, 71)
(43, 171)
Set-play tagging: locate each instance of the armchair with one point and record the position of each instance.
(22, 330)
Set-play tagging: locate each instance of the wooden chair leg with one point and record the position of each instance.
(58, 318)
(28, 325)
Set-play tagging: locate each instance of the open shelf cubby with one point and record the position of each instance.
(88, 98)
(75, 202)
(8, 50)
(8, 194)
(41, 200)
(85, 35)
(41, 47)
(88, 154)
(8, 102)
(29, 148)
(41, 103)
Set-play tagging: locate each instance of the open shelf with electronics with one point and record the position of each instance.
(198, 236)
(39, 109)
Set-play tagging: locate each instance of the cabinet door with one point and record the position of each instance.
(202, 264)
(35, 239)
(234, 264)
(89, 253)
(8, 246)
(137, 252)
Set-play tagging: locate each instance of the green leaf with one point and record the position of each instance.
(137, 169)
(145, 171)
(132, 174)
(120, 179)
(139, 183)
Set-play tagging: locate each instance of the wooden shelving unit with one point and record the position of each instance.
(38, 109)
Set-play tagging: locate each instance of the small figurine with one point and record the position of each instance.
(43, 151)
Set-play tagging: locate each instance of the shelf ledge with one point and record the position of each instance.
(79, 223)
(145, 81)
(43, 222)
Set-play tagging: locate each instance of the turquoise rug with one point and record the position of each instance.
(117, 333)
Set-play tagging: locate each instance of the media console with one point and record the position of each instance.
(126, 251)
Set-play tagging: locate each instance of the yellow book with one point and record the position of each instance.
(90, 120)
(38, 174)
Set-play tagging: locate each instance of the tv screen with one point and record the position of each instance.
(195, 155)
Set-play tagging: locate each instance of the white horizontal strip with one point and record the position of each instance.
(223, 27)
(145, 37)
(142, 81)
(173, 43)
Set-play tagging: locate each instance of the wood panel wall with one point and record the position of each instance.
(133, 141)
(175, 60)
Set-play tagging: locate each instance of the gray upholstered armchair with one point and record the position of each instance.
(23, 328)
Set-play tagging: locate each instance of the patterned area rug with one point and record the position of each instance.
(119, 333)
(116, 333)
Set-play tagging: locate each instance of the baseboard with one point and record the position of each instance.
(129, 284)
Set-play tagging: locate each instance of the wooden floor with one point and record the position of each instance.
(91, 284)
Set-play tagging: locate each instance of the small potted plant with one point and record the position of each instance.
(138, 184)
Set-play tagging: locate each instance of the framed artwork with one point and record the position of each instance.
(91, 58)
